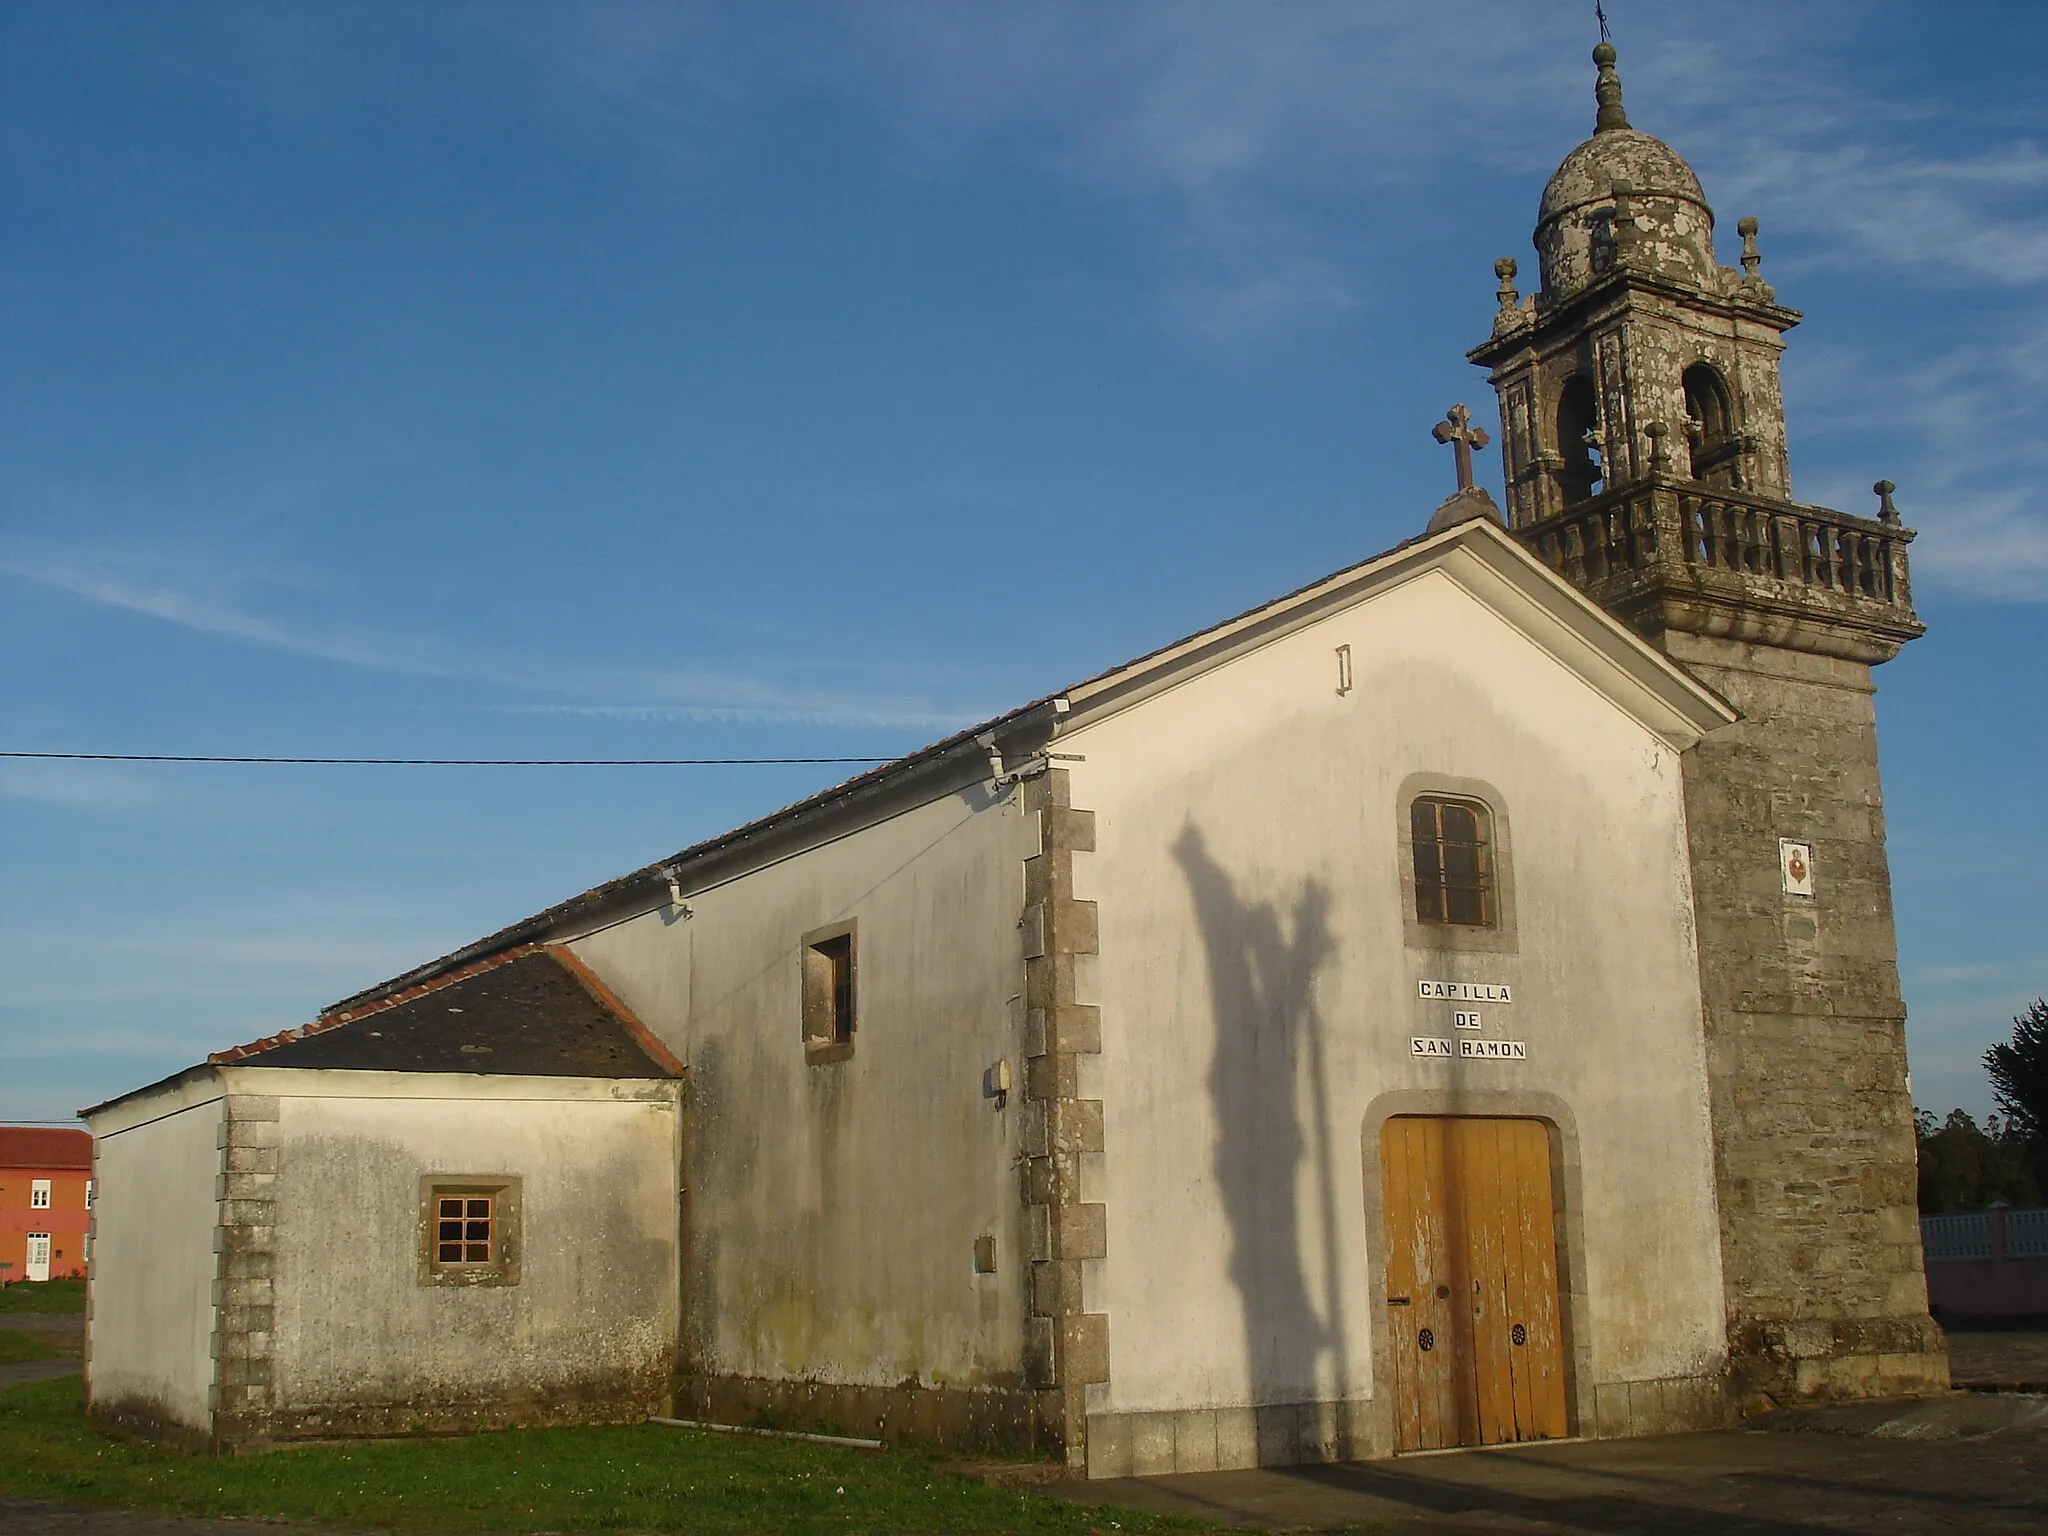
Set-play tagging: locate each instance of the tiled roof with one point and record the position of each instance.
(534, 1011)
(29, 1146)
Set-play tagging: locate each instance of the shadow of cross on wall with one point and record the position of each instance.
(1268, 1033)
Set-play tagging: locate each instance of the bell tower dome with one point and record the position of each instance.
(1643, 440)
(1643, 424)
(1669, 220)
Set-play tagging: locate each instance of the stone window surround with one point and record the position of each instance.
(504, 1188)
(1500, 938)
(821, 1045)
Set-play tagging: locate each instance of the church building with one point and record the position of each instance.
(1454, 1003)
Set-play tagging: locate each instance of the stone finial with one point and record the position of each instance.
(1505, 270)
(1607, 91)
(1886, 512)
(1660, 447)
(1750, 259)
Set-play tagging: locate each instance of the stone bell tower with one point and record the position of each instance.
(1643, 438)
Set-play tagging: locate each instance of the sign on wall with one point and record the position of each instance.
(1466, 1019)
(1795, 862)
(1465, 991)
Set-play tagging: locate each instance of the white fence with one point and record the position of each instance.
(1978, 1236)
(2026, 1234)
(1959, 1237)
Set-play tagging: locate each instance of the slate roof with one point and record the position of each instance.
(28, 1146)
(533, 1011)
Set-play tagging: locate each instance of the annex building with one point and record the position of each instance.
(1455, 1002)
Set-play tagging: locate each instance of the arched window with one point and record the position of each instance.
(1453, 842)
(1710, 428)
(1578, 414)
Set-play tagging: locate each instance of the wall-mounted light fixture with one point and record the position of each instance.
(1343, 670)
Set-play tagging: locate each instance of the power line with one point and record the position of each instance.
(437, 762)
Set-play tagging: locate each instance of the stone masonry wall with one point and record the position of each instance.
(1813, 1133)
(242, 1288)
(1066, 1346)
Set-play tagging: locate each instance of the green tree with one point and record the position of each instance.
(1967, 1167)
(2019, 1074)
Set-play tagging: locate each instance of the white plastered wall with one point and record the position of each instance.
(355, 1331)
(1258, 997)
(833, 1208)
(151, 1288)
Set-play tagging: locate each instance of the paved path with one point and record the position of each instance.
(63, 1332)
(1999, 1356)
(1860, 1477)
(33, 1517)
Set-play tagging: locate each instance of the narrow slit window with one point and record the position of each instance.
(831, 986)
(839, 956)
(1453, 863)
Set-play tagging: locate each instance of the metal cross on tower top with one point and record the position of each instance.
(1458, 430)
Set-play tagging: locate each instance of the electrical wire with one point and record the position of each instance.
(436, 762)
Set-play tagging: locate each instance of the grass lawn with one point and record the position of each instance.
(43, 1296)
(637, 1478)
(20, 1348)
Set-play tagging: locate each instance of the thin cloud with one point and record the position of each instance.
(211, 615)
(1955, 221)
(82, 786)
(1206, 121)
(672, 694)
(869, 717)
(1977, 971)
(1970, 432)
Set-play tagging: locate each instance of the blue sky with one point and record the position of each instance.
(670, 380)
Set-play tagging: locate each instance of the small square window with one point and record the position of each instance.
(831, 996)
(39, 1194)
(462, 1229)
(469, 1231)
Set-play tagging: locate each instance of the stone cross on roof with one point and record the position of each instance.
(1458, 430)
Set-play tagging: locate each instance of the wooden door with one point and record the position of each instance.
(1472, 1311)
(39, 1255)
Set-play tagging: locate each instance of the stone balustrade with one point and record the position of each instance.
(1663, 529)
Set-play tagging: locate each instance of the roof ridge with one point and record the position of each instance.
(327, 1021)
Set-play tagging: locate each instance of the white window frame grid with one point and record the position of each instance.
(39, 1194)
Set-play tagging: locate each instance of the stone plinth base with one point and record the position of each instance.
(956, 1418)
(1226, 1439)
(1667, 1405)
(1822, 1359)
